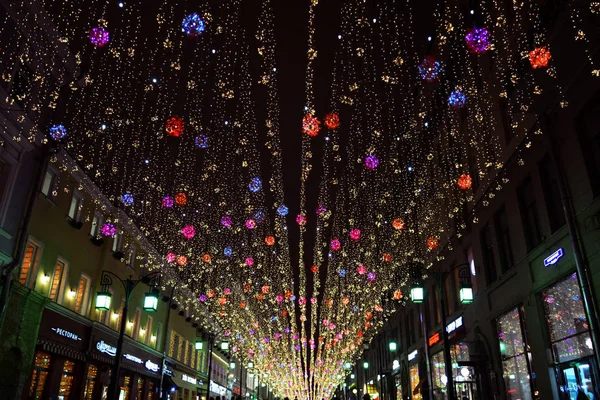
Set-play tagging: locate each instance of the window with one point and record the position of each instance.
(487, 250)
(516, 359)
(31, 260)
(58, 282)
(76, 206)
(556, 214)
(159, 334)
(83, 294)
(131, 258)
(117, 243)
(49, 182)
(90, 382)
(569, 334)
(148, 329)
(66, 380)
(97, 222)
(529, 214)
(136, 323)
(588, 127)
(503, 238)
(415, 380)
(39, 375)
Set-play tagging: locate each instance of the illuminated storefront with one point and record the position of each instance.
(415, 382)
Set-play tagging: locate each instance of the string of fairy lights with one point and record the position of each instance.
(172, 110)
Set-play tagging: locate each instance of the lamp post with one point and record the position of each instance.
(103, 303)
(466, 297)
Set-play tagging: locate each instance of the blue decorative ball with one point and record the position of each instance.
(58, 132)
(255, 184)
(282, 210)
(457, 99)
(342, 272)
(127, 199)
(201, 141)
(228, 251)
(193, 25)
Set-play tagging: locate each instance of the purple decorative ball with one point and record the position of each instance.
(371, 162)
(478, 40)
(99, 36)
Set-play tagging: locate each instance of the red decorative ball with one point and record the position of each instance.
(270, 240)
(539, 57)
(355, 234)
(301, 220)
(387, 257)
(206, 258)
(181, 199)
(314, 269)
(432, 243)
(332, 121)
(398, 224)
(311, 125)
(465, 182)
(174, 126)
(182, 260)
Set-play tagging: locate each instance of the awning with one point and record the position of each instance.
(61, 350)
(169, 384)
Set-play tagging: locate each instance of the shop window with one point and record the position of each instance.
(503, 238)
(90, 382)
(567, 322)
(66, 380)
(49, 182)
(487, 249)
(83, 294)
(529, 214)
(75, 207)
(515, 354)
(414, 382)
(140, 388)
(126, 388)
(151, 395)
(58, 282)
(39, 375)
(556, 214)
(29, 265)
(438, 369)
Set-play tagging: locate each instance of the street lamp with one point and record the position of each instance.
(393, 346)
(348, 365)
(199, 345)
(232, 365)
(224, 346)
(466, 296)
(250, 364)
(103, 303)
(366, 365)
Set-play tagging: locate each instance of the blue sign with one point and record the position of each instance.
(554, 257)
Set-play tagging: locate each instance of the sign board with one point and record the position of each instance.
(454, 325)
(434, 339)
(554, 257)
(189, 379)
(65, 333)
(412, 355)
(106, 348)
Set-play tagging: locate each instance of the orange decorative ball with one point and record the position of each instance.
(260, 297)
(182, 260)
(210, 293)
(432, 242)
(398, 224)
(174, 126)
(222, 301)
(397, 294)
(539, 57)
(181, 199)
(284, 313)
(270, 240)
(465, 182)
(242, 304)
(206, 258)
(246, 287)
(266, 289)
(332, 121)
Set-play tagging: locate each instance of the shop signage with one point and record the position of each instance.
(217, 389)
(454, 325)
(412, 355)
(554, 257)
(189, 379)
(67, 334)
(106, 348)
(434, 339)
(152, 366)
(133, 358)
(395, 365)
(168, 371)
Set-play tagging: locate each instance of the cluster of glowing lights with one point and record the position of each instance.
(371, 162)
(336, 244)
(457, 99)
(255, 184)
(311, 125)
(168, 202)
(174, 126)
(282, 210)
(201, 141)
(478, 40)
(430, 69)
(433, 242)
(250, 223)
(301, 219)
(188, 231)
(226, 221)
(181, 199)
(58, 132)
(465, 182)
(398, 224)
(99, 36)
(332, 121)
(127, 199)
(270, 240)
(539, 57)
(193, 25)
(355, 234)
(108, 230)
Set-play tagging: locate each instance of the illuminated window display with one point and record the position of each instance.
(414, 382)
(567, 322)
(515, 356)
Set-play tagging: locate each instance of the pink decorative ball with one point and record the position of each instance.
(355, 234)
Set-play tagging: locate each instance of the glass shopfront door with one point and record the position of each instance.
(576, 375)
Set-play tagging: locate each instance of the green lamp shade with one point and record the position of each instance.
(366, 365)
(232, 365)
(348, 365)
(393, 346)
(417, 294)
(466, 294)
(103, 301)
(224, 346)
(199, 345)
(250, 364)
(502, 347)
(151, 302)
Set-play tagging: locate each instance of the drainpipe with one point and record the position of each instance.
(8, 269)
(583, 270)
